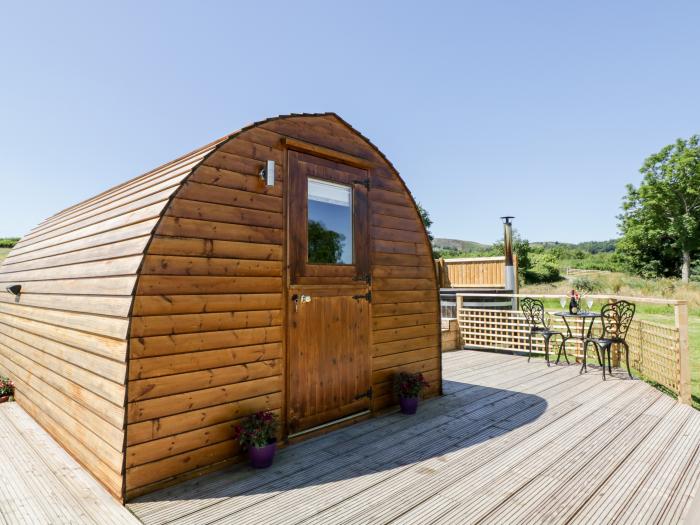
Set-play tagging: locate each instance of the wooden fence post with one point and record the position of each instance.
(640, 364)
(460, 301)
(440, 271)
(685, 393)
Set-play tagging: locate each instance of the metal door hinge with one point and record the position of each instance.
(367, 296)
(364, 394)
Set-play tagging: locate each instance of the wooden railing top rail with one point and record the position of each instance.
(474, 259)
(647, 300)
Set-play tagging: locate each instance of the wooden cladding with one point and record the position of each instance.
(64, 339)
(474, 272)
(154, 316)
(326, 153)
(206, 343)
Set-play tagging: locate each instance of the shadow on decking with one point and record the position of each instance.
(464, 417)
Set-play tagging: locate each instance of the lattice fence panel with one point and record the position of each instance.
(655, 352)
(654, 348)
(495, 329)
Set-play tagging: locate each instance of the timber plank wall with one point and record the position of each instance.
(64, 339)
(151, 317)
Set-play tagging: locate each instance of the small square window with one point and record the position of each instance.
(329, 226)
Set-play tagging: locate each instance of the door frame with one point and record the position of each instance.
(340, 157)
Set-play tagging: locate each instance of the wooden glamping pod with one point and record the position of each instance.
(156, 314)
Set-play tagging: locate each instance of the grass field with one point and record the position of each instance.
(4, 252)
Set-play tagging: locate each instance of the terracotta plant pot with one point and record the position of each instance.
(409, 405)
(261, 457)
(4, 398)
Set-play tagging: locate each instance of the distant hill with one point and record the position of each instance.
(587, 246)
(458, 245)
(471, 246)
(540, 262)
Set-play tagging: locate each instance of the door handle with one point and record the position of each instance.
(300, 299)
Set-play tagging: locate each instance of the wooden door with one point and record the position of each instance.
(329, 292)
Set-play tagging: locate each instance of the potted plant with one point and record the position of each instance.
(256, 433)
(408, 387)
(7, 389)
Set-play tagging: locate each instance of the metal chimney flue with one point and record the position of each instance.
(509, 270)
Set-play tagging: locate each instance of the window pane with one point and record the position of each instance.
(330, 223)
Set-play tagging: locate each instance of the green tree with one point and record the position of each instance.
(427, 221)
(521, 248)
(661, 218)
(8, 242)
(325, 246)
(544, 268)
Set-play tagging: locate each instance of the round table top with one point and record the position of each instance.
(579, 314)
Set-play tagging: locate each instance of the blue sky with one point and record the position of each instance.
(542, 110)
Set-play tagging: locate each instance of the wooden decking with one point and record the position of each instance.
(40, 483)
(510, 442)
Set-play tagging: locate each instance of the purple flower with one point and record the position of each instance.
(257, 430)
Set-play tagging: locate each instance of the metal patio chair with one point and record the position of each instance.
(533, 310)
(616, 318)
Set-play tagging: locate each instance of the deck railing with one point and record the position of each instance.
(658, 352)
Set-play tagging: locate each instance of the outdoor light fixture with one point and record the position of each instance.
(14, 289)
(267, 174)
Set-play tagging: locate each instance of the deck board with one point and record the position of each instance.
(501, 469)
(510, 441)
(40, 483)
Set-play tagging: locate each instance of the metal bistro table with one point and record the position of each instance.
(584, 317)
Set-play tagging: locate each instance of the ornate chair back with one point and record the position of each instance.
(617, 318)
(533, 310)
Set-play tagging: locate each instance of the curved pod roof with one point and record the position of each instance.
(96, 247)
(66, 337)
